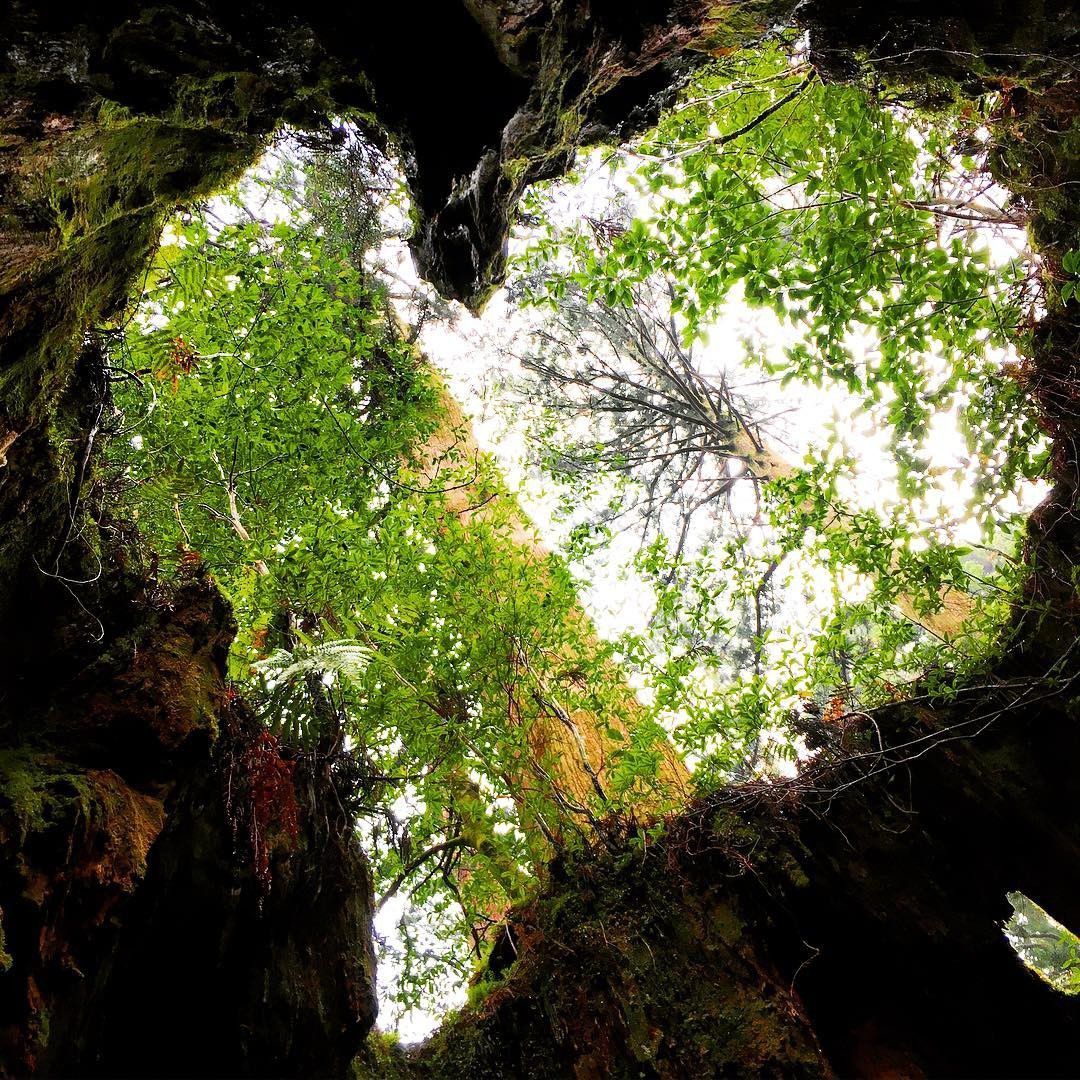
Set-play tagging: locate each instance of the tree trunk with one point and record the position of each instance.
(572, 747)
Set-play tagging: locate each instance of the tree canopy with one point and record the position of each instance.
(773, 233)
(398, 615)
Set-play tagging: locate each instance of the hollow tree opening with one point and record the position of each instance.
(126, 751)
(1043, 943)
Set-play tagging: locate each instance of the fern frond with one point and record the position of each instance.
(345, 657)
(285, 673)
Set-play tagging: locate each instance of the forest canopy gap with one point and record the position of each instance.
(754, 456)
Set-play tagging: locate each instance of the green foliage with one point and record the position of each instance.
(1044, 944)
(1070, 265)
(276, 427)
(286, 682)
(267, 411)
(856, 234)
(837, 215)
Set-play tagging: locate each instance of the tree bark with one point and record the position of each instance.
(571, 748)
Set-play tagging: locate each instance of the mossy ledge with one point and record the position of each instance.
(789, 929)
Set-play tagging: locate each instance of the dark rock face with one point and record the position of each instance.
(132, 913)
(849, 927)
(83, 800)
(571, 73)
(483, 98)
(217, 976)
(937, 47)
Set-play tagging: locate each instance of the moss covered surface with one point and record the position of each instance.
(847, 922)
(86, 767)
(292, 985)
(122, 888)
(100, 830)
(627, 967)
(84, 201)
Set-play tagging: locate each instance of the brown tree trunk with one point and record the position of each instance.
(570, 749)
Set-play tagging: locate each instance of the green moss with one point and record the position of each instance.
(94, 201)
(44, 790)
(99, 175)
(7, 961)
(112, 114)
(43, 1024)
(224, 98)
(383, 1058)
(71, 289)
(640, 966)
(24, 779)
(731, 23)
(516, 171)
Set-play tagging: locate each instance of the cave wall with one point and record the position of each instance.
(131, 915)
